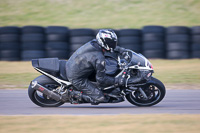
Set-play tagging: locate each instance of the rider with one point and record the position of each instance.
(90, 58)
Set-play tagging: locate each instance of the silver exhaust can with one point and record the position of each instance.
(45, 91)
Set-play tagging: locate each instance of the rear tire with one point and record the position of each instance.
(41, 100)
(131, 97)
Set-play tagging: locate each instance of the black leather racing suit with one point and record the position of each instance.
(86, 60)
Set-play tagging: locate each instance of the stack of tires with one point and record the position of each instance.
(195, 46)
(78, 37)
(130, 39)
(57, 44)
(177, 42)
(33, 43)
(153, 41)
(10, 43)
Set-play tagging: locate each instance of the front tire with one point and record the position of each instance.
(39, 98)
(155, 91)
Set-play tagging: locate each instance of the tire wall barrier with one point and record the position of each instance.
(130, 39)
(57, 42)
(78, 37)
(177, 42)
(195, 42)
(32, 42)
(153, 41)
(10, 43)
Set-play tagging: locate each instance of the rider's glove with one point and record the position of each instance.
(120, 81)
(126, 56)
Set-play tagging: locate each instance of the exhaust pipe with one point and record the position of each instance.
(45, 91)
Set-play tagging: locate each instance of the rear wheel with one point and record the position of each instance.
(41, 99)
(154, 90)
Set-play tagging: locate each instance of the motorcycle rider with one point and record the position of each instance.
(90, 58)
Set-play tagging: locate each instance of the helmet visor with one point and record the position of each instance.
(112, 43)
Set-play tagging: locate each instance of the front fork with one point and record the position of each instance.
(139, 88)
(143, 93)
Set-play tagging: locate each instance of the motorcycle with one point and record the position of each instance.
(52, 89)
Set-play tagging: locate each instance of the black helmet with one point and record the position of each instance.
(107, 39)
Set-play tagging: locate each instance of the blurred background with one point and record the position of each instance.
(56, 28)
(165, 31)
(100, 14)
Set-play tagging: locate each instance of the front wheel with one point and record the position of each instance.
(41, 99)
(154, 90)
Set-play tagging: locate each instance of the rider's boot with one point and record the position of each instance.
(116, 94)
(94, 95)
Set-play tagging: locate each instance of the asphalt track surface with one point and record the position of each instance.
(17, 102)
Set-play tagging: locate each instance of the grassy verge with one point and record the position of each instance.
(101, 124)
(98, 14)
(172, 72)
(177, 71)
(16, 74)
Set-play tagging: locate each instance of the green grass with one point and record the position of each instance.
(100, 14)
(177, 71)
(163, 123)
(181, 73)
(16, 80)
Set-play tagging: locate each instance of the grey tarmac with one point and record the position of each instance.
(176, 101)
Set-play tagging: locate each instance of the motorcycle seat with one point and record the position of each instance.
(52, 66)
(49, 65)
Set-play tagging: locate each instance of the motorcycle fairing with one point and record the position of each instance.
(53, 66)
(49, 65)
(138, 61)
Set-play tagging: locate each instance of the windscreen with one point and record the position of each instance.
(138, 59)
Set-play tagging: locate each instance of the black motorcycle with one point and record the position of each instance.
(53, 89)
